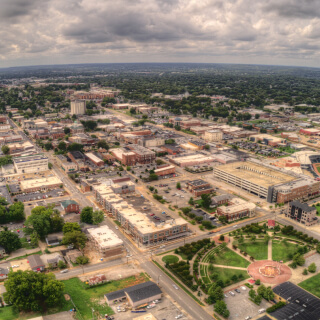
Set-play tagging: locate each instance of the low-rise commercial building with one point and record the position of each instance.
(94, 159)
(105, 241)
(191, 159)
(165, 170)
(236, 209)
(199, 187)
(136, 295)
(40, 184)
(30, 164)
(65, 164)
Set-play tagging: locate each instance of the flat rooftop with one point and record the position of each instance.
(105, 237)
(254, 173)
(34, 157)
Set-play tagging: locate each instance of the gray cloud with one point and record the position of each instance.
(250, 31)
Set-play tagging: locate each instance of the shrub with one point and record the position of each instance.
(312, 268)
(276, 306)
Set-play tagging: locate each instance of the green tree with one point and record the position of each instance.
(252, 293)
(50, 165)
(153, 177)
(82, 260)
(215, 292)
(191, 201)
(305, 272)
(62, 146)
(3, 215)
(299, 259)
(103, 144)
(77, 238)
(32, 291)
(221, 308)
(48, 146)
(3, 201)
(61, 264)
(39, 221)
(312, 268)
(71, 226)
(97, 216)
(257, 299)
(75, 147)
(56, 222)
(5, 149)
(66, 130)
(206, 200)
(86, 215)
(178, 185)
(16, 211)
(9, 241)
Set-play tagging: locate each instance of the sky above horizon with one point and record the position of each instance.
(275, 32)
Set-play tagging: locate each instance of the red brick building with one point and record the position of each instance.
(70, 206)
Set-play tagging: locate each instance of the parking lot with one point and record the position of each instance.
(4, 193)
(165, 310)
(39, 195)
(241, 307)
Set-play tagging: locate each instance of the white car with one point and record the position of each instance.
(175, 287)
(117, 228)
(179, 316)
(243, 288)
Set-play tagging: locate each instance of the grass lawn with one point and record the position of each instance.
(183, 256)
(281, 251)
(258, 250)
(170, 259)
(90, 298)
(312, 285)
(226, 274)
(230, 258)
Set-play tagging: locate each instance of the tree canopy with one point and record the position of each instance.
(32, 291)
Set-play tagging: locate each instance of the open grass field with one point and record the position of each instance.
(312, 285)
(226, 274)
(93, 297)
(228, 257)
(282, 251)
(170, 259)
(258, 250)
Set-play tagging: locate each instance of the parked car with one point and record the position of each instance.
(237, 290)
(175, 287)
(243, 288)
(231, 293)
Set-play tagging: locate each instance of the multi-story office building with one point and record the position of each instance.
(78, 107)
(30, 164)
(302, 213)
(213, 135)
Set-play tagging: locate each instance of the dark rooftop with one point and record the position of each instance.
(136, 293)
(302, 206)
(302, 304)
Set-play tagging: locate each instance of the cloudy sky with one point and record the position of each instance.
(283, 32)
